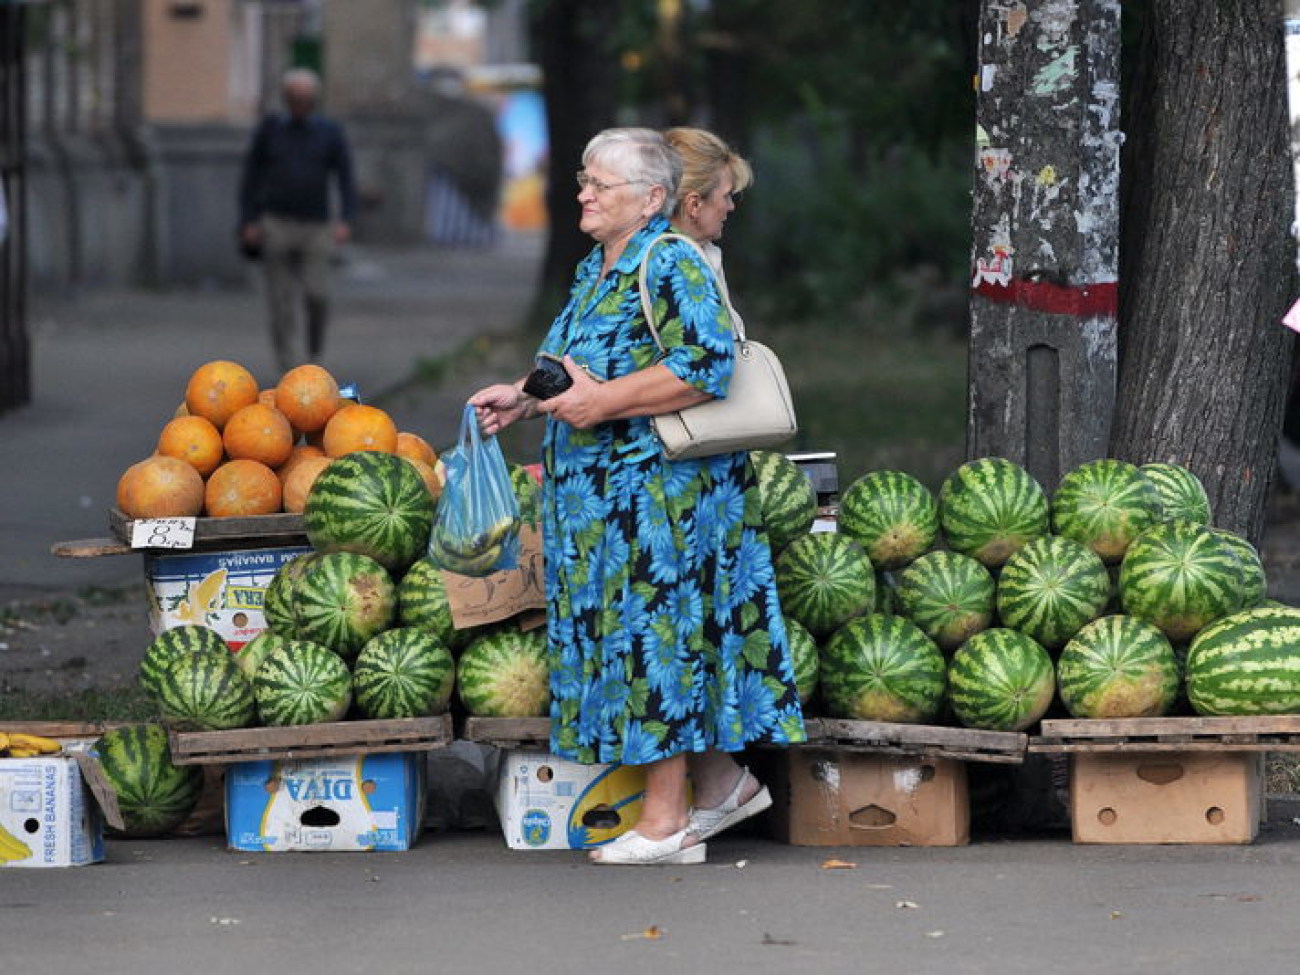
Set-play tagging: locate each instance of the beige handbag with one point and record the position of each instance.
(757, 411)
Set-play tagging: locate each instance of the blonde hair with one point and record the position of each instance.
(705, 158)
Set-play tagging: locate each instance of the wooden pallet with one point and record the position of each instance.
(509, 732)
(310, 741)
(62, 729)
(224, 530)
(930, 741)
(1253, 734)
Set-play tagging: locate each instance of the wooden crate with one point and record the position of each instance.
(509, 732)
(927, 741)
(229, 532)
(1246, 734)
(310, 741)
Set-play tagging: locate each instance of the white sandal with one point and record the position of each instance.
(730, 811)
(633, 849)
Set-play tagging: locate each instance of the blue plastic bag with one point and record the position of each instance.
(476, 526)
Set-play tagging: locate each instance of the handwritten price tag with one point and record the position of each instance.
(163, 533)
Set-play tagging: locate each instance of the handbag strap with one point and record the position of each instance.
(646, 305)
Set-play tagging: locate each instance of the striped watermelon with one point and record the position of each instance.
(1051, 587)
(371, 503)
(250, 656)
(788, 499)
(173, 643)
(948, 595)
(302, 683)
(892, 514)
(403, 673)
(503, 673)
(1105, 504)
(806, 659)
(528, 494)
(1000, 680)
(1247, 663)
(422, 600)
(154, 794)
(824, 580)
(205, 691)
(1254, 581)
(1181, 577)
(882, 668)
(886, 600)
(278, 601)
(1182, 495)
(342, 600)
(989, 507)
(1118, 667)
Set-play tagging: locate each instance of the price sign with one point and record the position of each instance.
(163, 533)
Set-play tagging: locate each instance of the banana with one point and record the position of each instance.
(11, 847)
(4, 742)
(42, 746)
(16, 752)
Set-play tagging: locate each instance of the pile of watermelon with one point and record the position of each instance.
(991, 602)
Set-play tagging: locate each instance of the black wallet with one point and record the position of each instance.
(548, 378)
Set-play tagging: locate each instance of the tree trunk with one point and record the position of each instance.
(573, 41)
(1207, 262)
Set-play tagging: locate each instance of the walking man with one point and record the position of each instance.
(295, 161)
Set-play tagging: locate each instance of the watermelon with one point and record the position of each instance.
(1105, 504)
(1254, 581)
(806, 659)
(403, 673)
(789, 502)
(422, 600)
(205, 691)
(154, 795)
(528, 494)
(882, 668)
(1051, 587)
(948, 595)
(302, 683)
(370, 503)
(886, 600)
(1118, 667)
(824, 580)
(1246, 663)
(989, 507)
(503, 673)
(342, 600)
(278, 600)
(892, 514)
(250, 656)
(173, 643)
(1181, 577)
(1182, 495)
(1000, 680)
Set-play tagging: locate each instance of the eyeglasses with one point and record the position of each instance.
(585, 180)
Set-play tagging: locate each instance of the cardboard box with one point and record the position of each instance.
(549, 803)
(222, 590)
(475, 601)
(351, 802)
(1166, 797)
(47, 815)
(832, 797)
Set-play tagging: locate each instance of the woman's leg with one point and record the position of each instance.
(664, 810)
(714, 775)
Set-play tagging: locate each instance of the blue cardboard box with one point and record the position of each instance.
(349, 802)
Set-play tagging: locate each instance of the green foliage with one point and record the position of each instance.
(125, 704)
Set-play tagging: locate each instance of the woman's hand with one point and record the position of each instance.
(582, 405)
(500, 405)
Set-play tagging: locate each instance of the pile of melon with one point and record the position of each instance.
(234, 449)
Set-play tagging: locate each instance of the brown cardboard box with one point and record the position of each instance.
(1166, 797)
(831, 797)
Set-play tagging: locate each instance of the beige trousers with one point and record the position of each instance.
(296, 255)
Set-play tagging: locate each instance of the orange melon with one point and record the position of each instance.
(415, 447)
(308, 395)
(258, 432)
(357, 427)
(160, 487)
(217, 389)
(240, 488)
(193, 440)
(298, 481)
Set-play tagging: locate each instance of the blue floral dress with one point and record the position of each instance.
(665, 634)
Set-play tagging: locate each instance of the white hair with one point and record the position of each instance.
(638, 155)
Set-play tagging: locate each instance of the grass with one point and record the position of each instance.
(89, 705)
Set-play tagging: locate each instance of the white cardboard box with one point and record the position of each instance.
(47, 816)
(220, 590)
(548, 803)
(349, 802)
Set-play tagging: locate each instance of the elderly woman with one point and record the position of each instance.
(665, 635)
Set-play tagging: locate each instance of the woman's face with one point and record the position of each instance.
(612, 206)
(705, 215)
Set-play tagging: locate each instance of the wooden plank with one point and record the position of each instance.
(226, 530)
(1279, 733)
(89, 548)
(933, 740)
(509, 732)
(61, 729)
(310, 741)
